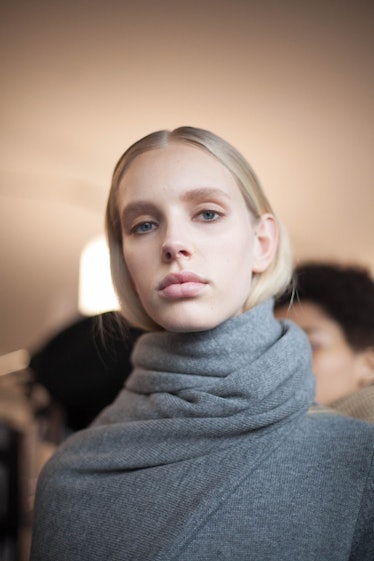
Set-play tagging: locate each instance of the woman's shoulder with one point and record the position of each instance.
(328, 421)
(325, 416)
(337, 437)
(359, 405)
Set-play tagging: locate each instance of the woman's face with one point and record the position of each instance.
(338, 369)
(188, 239)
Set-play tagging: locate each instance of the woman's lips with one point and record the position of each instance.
(181, 285)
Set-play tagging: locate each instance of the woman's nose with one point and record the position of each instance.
(175, 250)
(175, 247)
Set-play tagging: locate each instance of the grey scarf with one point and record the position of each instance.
(198, 413)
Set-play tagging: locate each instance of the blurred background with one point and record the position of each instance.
(290, 83)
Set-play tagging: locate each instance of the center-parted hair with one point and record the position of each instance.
(268, 284)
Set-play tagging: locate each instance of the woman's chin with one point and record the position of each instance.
(191, 315)
(182, 324)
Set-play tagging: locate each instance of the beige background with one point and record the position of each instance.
(289, 83)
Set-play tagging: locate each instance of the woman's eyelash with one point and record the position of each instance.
(209, 215)
(143, 227)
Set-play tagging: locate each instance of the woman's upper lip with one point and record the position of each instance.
(180, 278)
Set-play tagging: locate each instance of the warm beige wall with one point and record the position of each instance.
(289, 83)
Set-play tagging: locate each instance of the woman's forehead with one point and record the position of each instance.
(177, 164)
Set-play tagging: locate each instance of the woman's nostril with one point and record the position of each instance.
(175, 251)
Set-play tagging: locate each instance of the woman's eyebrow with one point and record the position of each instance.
(204, 193)
(132, 210)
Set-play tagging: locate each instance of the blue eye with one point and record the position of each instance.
(143, 228)
(209, 215)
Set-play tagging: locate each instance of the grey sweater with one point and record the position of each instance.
(211, 453)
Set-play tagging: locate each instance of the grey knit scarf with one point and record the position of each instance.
(198, 414)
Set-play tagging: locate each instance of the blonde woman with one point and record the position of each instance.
(210, 452)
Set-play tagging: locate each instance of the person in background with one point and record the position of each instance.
(92, 351)
(334, 305)
(211, 451)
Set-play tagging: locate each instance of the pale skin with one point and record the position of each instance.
(339, 370)
(189, 241)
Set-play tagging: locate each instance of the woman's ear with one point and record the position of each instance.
(366, 370)
(266, 242)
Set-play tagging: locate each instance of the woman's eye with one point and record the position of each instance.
(209, 215)
(143, 228)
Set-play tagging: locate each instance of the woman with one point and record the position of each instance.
(210, 451)
(334, 305)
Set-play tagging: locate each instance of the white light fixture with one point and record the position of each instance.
(96, 293)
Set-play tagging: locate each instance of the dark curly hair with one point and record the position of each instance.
(345, 293)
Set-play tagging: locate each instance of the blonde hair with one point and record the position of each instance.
(268, 284)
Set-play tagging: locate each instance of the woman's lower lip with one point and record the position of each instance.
(182, 290)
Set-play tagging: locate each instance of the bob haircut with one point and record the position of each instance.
(268, 284)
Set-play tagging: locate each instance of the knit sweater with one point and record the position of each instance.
(209, 453)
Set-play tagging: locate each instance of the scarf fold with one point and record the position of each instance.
(249, 373)
(195, 392)
(197, 415)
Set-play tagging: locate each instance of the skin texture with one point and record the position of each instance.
(189, 241)
(339, 370)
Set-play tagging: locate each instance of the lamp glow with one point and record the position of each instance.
(96, 293)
